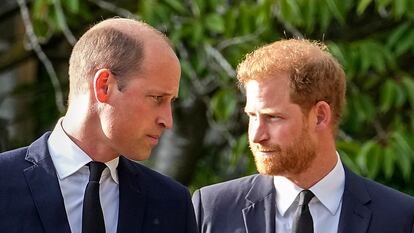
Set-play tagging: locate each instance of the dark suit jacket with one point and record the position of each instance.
(31, 200)
(248, 205)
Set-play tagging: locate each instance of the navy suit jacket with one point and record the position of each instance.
(31, 200)
(247, 205)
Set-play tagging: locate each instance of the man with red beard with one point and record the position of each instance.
(295, 93)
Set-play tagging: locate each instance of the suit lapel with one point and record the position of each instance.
(132, 202)
(44, 187)
(259, 215)
(355, 215)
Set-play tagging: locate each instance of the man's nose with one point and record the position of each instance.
(258, 131)
(165, 119)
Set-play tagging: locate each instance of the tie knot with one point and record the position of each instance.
(95, 169)
(305, 196)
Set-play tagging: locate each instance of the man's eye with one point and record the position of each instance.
(157, 98)
(274, 118)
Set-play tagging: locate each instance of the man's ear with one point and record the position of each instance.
(101, 85)
(323, 115)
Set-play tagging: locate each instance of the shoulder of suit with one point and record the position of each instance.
(237, 186)
(154, 178)
(11, 157)
(382, 194)
(14, 152)
(377, 188)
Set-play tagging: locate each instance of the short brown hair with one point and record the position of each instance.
(314, 74)
(104, 47)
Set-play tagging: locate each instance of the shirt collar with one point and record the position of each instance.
(328, 190)
(68, 157)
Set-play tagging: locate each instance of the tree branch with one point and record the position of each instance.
(289, 27)
(34, 43)
(115, 9)
(62, 23)
(225, 65)
(239, 40)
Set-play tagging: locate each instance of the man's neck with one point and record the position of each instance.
(85, 134)
(319, 168)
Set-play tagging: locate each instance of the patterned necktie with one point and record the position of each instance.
(302, 222)
(92, 216)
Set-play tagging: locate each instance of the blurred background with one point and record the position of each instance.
(372, 39)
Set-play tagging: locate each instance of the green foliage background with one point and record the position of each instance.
(372, 39)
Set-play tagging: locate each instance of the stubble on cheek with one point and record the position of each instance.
(292, 160)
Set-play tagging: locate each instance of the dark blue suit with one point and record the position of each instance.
(247, 205)
(31, 200)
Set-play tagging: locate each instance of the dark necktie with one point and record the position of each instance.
(302, 222)
(92, 216)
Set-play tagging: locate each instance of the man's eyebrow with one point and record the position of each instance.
(174, 97)
(161, 92)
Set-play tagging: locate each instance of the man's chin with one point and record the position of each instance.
(142, 155)
(265, 167)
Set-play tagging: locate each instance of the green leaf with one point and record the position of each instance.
(239, 149)
(387, 95)
(399, 7)
(198, 7)
(309, 14)
(224, 104)
(240, 146)
(402, 143)
(324, 17)
(346, 159)
(177, 5)
(231, 22)
(195, 31)
(379, 57)
(396, 35)
(365, 56)
(215, 23)
(368, 107)
(335, 50)
(349, 147)
(176, 35)
(374, 161)
(408, 83)
(72, 5)
(40, 9)
(403, 162)
(400, 97)
(372, 81)
(389, 161)
(363, 4)
(335, 10)
(362, 158)
(358, 109)
(405, 43)
(290, 10)
(264, 14)
(244, 19)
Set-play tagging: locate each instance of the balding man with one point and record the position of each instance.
(123, 78)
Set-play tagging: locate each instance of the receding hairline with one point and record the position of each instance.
(131, 28)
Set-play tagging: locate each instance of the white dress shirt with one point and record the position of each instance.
(73, 175)
(325, 207)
